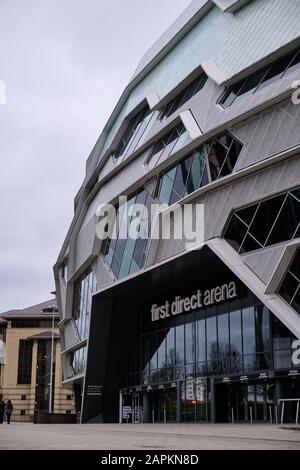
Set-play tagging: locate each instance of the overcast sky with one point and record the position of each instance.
(65, 64)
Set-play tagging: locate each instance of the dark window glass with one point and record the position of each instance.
(250, 363)
(131, 132)
(163, 148)
(83, 290)
(161, 351)
(250, 244)
(183, 169)
(295, 267)
(191, 172)
(262, 324)
(288, 288)
(263, 361)
(180, 344)
(189, 343)
(249, 346)
(216, 159)
(166, 186)
(153, 352)
(247, 214)
(261, 79)
(197, 171)
(170, 348)
(276, 71)
(250, 85)
(211, 332)
(265, 218)
(294, 65)
(223, 341)
(25, 362)
(235, 330)
(231, 95)
(270, 222)
(186, 94)
(201, 341)
(231, 158)
(287, 222)
(236, 232)
(282, 359)
(126, 253)
(296, 301)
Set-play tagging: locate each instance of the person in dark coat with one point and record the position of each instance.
(8, 410)
(2, 409)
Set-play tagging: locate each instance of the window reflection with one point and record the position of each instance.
(232, 339)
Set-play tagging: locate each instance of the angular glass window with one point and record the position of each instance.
(129, 141)
(236, 232)
(247, 214)
(166, 185)
(265, 218)
(287, 222)
(261, 79)
(269, 222)
(231, 158)
(250, 85)
(294, 65)
(198, 174)
(186, 94)
(126, 253)
(164, 147)
(250, 244)
(216, 158)
(276, 71)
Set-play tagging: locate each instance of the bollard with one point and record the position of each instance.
(232, 415)
(297, 413)
(271, 417)
(251, 415)
(153, 420)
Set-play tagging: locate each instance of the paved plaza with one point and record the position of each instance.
(147, 436)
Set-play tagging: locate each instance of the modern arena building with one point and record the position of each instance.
(153, 330)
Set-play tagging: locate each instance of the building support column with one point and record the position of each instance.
(146, 408)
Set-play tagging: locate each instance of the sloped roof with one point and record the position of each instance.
(44, 335)
(34, 311)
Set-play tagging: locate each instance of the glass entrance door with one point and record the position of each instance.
(163, 406)
(137, 409)
(245, 402)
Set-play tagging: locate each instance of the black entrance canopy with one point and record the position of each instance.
(115, 317)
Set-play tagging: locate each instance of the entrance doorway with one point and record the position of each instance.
(245, 402)
(163, 406)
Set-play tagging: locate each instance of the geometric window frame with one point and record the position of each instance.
(260, 225)
(218, 156)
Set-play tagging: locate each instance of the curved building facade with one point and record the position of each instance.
(159, 328)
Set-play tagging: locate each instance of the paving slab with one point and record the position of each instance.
(30, 436)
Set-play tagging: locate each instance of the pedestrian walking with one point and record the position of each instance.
(8, 410)
(2, 409)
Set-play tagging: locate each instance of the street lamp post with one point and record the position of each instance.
(51, 361)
